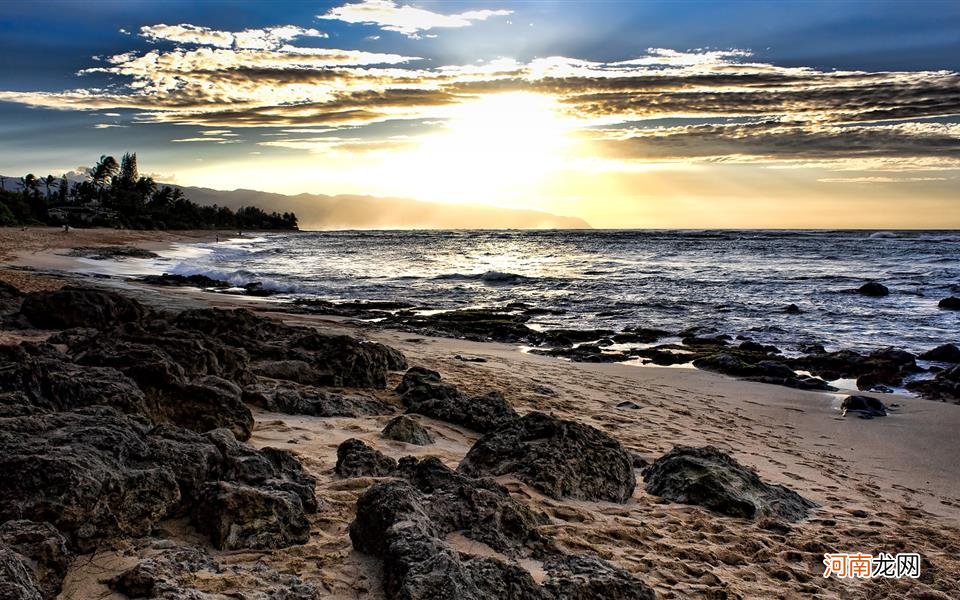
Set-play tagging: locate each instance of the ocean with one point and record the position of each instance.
(732, 282)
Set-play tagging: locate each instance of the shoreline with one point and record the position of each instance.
(900, 470)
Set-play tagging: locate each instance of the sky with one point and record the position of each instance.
(679, 114)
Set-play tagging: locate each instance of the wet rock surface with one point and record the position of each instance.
(944, 353)
(80, 307)
(422, 391)
(34, 559)
(562, 459)
(406, 521)
(951, 303)
(873, 289)
(713, 479)
(174, 280)
(295, 399)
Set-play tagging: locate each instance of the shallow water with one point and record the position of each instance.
(735, 282)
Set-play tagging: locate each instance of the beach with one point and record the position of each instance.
(880, 485)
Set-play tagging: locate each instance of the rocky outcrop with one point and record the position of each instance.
(943, 353)
(873, 289)
(887, 366)
(407, 430)
(173, 280)
(174, 572)
(562, 459)
(356, 459)
(33, 560)
(97, 474)
(764, 371)
(241, 516)
(406, 521)
(80, 307)
(713, 479)
(10, 299)
(294, 399)
(422, 391)
(944, 386)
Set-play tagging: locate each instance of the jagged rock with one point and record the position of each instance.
(873, 289)
(865, 405)
(945, 386)
(705, 340)
(593, 353)
(175, 572)
(112, 252)
(240, 516)
(951, 303)
(792, 309)
(478, 324)
(356, 459)
(97, 474)
(405, 429)
(298, 371)
(569, 337)
(713, 479)
(10, 299)
(562, 459)
(294, 399)
(730, 364)
(405, 522)
(80, 307)
(887, 366)
(423, 392)
(943, 353)
(43, 379)
(43, 556)
(639, 335)
(174, 280)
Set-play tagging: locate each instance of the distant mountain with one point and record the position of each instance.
(319, 211)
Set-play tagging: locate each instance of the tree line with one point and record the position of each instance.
(114, 194)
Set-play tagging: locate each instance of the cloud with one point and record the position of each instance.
(270, 38)
(874, 179)
(406, 19)
(107, 126)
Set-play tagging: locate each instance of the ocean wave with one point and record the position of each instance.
(240, 278)
(493, 277)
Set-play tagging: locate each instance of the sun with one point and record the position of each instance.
(496, 149)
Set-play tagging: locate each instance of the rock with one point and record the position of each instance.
(178, 572)
(10, 299)
(42, 555)
(873, 289)
(730, 364)
(887, 366)
(405, 429)
(628, 404)
(240, 516)
(562, 459)
(943, 353)
(423, 392)
(255, 288)
(585, 353)
(757, 348)
(80, 307)
(951, 303)
(111, 252)
(792, 309)
(295, 399)
(477, 324)
(639, 335)
(569, 337)
(406, 521)
(99, 475)
(473, 359)
(713, 479)
(356, 459)
(945, 386)
(298, 371)
(174, 280)
(700, 340)
(865, 405)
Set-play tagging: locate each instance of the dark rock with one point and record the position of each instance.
(713, 479)
(585, 353)
(757, 348)
(422, 391)
(628, 404)
(42, 555)
(478, 324)
(731, 364)
(639, 335)
(865, 405)
(405, 522)
(80, 307)
(176, 572)
(111, 252)
(951, 303)
(473, 359)
(405, 429)
(10, 299)
(241, 516)
(562, 459)
(887, 366)
(699, 340)
(356, 459)
(294, 399)
(945, 386)
(873, 289)
(173, 280)
(943, 353)
(255, 288)
(98, 475)
(792, 309)
(812, 348)
(569, 337)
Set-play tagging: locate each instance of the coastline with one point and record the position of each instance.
(899, 471)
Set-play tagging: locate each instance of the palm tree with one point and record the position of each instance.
(48, 182)
(3, 183)
(29, 185)
(102, 172)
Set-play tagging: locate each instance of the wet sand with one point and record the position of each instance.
(889, 484)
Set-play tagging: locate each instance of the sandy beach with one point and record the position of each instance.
(882, 485)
